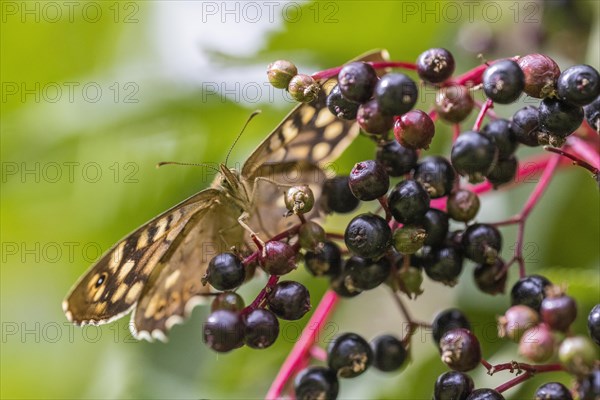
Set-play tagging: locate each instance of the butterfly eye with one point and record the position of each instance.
(101, 280)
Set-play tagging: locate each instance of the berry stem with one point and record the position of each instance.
(489, 104)
(584, 150)
(519, 367)
(576, 160)
(262, 295)
(513, 382)
(302, 348)
(384, 205)
(472, 77)
(318, 353)
(333, 72)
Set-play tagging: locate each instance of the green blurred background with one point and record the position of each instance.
(94, 94)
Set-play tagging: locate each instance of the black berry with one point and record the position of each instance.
(372, 119)
(357, 81)
(447, 266)
(453, 103)
(408, 202)
(368, 180)
(579, 84)
(473, 154)
(558, 312)
(504, 138)
(453, 385)
(396, 159)
(225, 272)
(340, 106)
(482, 243)
(491, 278)
(503, 81)
(552, 391)
(463, 205)
(485, 394)
(460, 349)
(227, 301)
(279, 258)
(525, 126)
(223, 331)
(447, 320)
(368, 236)
(316, 383)
(350, 355)
(504, 171)
(337, 196)
(388, 353)
(593, 323)
(529, 291)
(261, 328)
(365, 274)
(436, 225)
(289, 300)
(396, 93)
(592, 114)
(435, 65)
(558, 119)
(436, 175)
(326, 260)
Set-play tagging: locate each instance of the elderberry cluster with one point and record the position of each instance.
(412, 234)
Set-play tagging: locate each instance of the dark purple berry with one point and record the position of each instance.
(552, 391)
(368, 236)
(365, 274)
(357, 81)
(230, 301)
(316, 383)
(453, 103)
(491, 278)
(372, 120)
(326, 260)
(343, 285)
(541, 74)
(589, 386)
(503, 81)
(460, 349)
(558, 311)
(485, 394)
(503, 172)
(447, 266)
(558, 119)
(414, 130)
(408, 202)
(436, 175)
(463, 205)
(311, 235)
(349, 355)
(340, 106)
(435, 65)
(474, 155)
(453, 385)
(529, 291)
(279, 258)
(579, 84)
(223, 331)
(261, 328)
(225, 272)
(289, 300)
(446, 320)
(525, 126)
(368, 180)
(389, 353)
(593, 324)
(592, 114)
(397, 159)
(482, 243)
(504, 138)
(396, 93)
(436, 225)
(337, 196)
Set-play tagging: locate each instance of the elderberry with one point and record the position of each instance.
(289, 300)
(368, 236)
(435, 65)
(357, 81)
(453, 385)
(408, 202)
(473, 154)
(349, 355)
(389, 353)
(503, 81)
(316, 383)
(579, 84)
(436, 175)
(396, 159)
(368, 180)
(396, 93)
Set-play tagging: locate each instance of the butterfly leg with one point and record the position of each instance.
(242, 221)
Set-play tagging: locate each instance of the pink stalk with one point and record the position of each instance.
(489, 104)
(513, 382)
(302, 347)
(333, 72)
(584, 150)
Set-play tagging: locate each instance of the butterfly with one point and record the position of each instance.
(156, 270)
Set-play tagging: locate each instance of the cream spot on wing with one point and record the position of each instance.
(98, 293)
(142, 240)
(126, 269)
(173, 320)
(171, 279)
(118, 294)
(134, 292)
(161, 228)
(325, 117)
(116, 256)
(320, 151)
(289, 130)
(333, 130)
(307, 114)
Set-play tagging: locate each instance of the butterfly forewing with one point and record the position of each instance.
(158, 268)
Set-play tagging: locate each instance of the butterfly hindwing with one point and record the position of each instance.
(112, 286)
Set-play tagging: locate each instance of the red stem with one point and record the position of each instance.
(584, 150)
(332, 72)
(513, 382)
(303, 345)
(489, 104)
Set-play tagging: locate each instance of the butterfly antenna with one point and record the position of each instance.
(160, 164)
(254, 114)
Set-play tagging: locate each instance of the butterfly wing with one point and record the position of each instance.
(309, 133)
(113, 285)
(174, 287)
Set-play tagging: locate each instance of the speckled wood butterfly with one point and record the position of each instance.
(156, 271)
